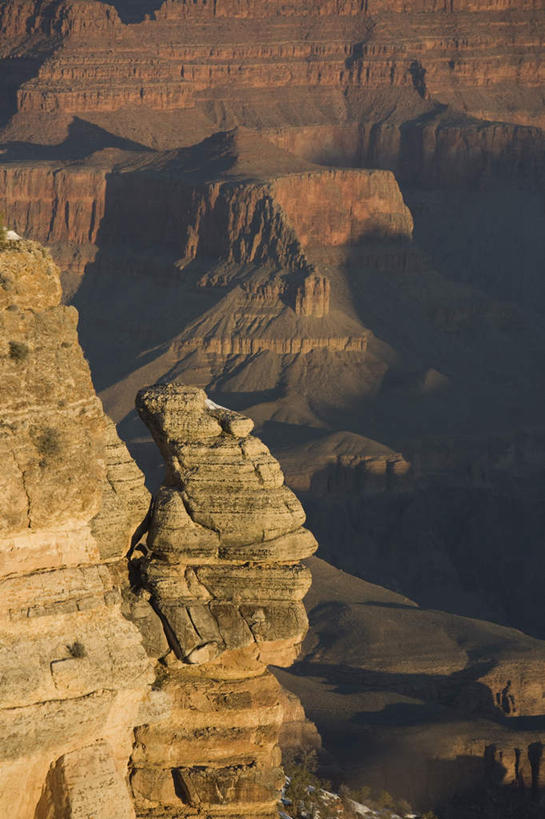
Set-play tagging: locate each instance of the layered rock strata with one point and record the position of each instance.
(221, 568)
(74, 671)
(141, 689)
(184, 55)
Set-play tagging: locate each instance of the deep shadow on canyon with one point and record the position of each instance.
(452, 388)
(457, 389)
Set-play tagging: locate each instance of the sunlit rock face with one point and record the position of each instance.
(221, 568)
(73, 669)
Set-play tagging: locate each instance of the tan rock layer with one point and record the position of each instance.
(73, 668)
(221, 569)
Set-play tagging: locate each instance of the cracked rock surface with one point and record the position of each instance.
(221, 569)
(73, 669)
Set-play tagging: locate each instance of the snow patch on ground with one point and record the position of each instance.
(11, 236)
(213, 406)
(332, 801)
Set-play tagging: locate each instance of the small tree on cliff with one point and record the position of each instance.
(300, 767)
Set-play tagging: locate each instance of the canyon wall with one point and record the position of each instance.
(189, 53)
(77, 208)
(140, 687)
(74, 671)
(205, 66)
(53, 204)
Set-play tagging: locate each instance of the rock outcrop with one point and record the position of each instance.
(141, 688)
(221, 568)
(74, 671)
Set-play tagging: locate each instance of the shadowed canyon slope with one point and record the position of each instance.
(134, 679)
(329, 215)
(403, 402)
(422, 703)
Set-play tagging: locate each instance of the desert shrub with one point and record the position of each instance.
(348, 797)
(305, 789)
(17, 350)
(402, 807)
(48, 442)
(363, 794)
(76, 650)
(382, 802)
(300, 766)
(385, 800)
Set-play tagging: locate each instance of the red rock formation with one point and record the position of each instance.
(312, 297)
(464, 54)
(54, 204)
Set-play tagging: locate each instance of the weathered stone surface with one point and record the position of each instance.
(124, 503)
(85, 783)
(73, 669)
(174, 535)
(238, 495)
(221, 567)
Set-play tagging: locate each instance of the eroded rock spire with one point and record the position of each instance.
(222, 569)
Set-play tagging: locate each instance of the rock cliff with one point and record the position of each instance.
(74, 673)
(221, 568)
(139, 687)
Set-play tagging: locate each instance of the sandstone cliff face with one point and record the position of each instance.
(74, 671)
(300, 293)
(221, 568)
(142, 688)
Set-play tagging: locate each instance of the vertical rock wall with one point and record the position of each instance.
(73, 670)
(221, 568)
